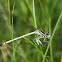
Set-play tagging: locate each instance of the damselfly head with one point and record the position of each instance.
(48, 34)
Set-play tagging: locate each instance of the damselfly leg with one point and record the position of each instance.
(38, 40)
(42, 35)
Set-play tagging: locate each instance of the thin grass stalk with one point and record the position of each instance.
(35, 46)
(51, 42)
(12, 22)
(43, 13)
(9, 17)
(46, 15)
(12, 35)
(54, 3)
(34, 15)
(14, 52)
(29, 7)
(59, 19)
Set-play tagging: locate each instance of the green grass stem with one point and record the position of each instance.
(28, 7)
(9, 17)
(12, 30)
(59, 19)
(34, 15)
(12, 23)
(14, 52)
(35, 46)
(51, 54)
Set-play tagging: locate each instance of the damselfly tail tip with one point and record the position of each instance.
(1, 44)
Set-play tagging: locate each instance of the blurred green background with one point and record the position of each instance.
(17, 18)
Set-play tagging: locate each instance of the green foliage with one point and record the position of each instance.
(19, 17)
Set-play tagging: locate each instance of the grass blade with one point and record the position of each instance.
(34, 15)
(59, 19)
(51, 42)
(35, 47)
(14, 52)
(12, 23)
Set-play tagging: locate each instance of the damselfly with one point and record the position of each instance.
(39, 32)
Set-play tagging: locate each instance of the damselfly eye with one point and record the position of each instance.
(48, 33)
